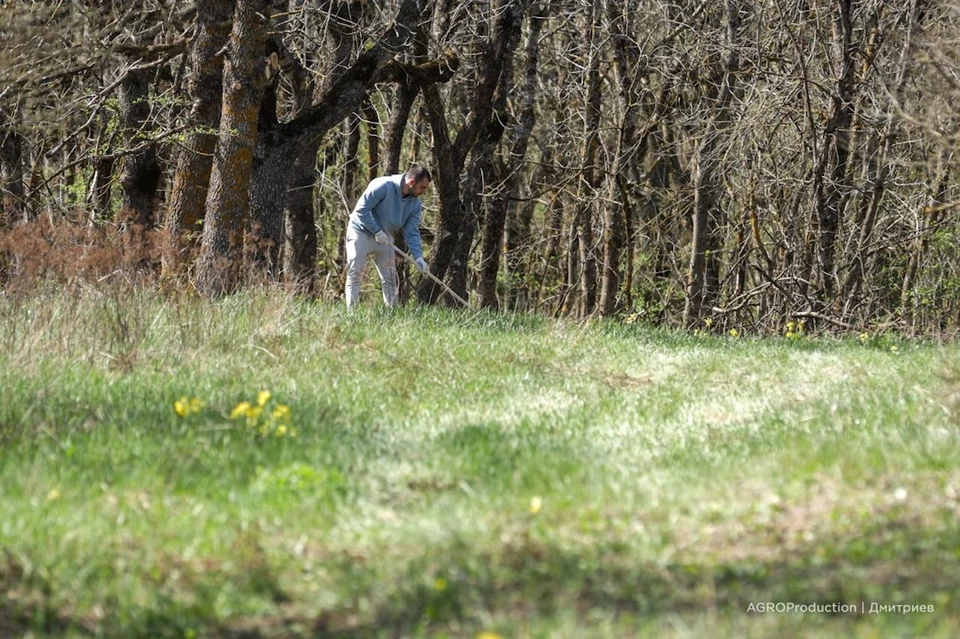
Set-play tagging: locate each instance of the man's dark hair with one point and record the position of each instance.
(419, 173)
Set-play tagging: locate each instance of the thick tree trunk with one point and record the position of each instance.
(228, 200)
(141, 170)
(300, 241)
(350, 144)
(191, 178)
(491, 242)
(480, 181)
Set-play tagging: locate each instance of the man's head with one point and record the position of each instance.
(416, 180)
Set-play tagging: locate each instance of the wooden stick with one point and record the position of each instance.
(446, 288)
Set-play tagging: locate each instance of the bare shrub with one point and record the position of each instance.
(69, 250)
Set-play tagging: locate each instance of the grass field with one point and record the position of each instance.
(450, 474)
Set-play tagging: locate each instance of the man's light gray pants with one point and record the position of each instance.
(360, 247)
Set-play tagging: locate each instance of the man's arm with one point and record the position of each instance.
(372, 196)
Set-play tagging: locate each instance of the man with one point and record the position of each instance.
(388, 204)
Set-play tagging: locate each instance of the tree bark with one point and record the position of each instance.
(191, 177)
(141, 170)
(371, 120)
(228, 200)
(404, 96)
(300, 240)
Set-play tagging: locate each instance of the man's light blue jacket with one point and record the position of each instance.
(382, 206)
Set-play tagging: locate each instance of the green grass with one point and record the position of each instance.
(455, 473)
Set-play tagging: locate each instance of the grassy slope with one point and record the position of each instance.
(678, 478)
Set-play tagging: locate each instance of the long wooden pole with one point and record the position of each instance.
(446, 288)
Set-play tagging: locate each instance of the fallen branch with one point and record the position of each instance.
(825, 318)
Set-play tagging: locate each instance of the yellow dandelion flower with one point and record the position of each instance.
(53, 494)
(486, 634)
(241, 409)
(440, 584)
(253, 412)
(734, 332)
(535, 505)
(196, 405)
(281, 430)
(282, 411)
(181, 407)
(263, 397)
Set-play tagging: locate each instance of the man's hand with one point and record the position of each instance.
(382, 238)
(422, 265)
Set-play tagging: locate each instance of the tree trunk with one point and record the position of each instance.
(228, 200)
(300, 241)
(371, 120)
(448, 162)
(11, 178)
(834, 153)
(703, 275)
(141, 170)
(101, 189)
(191, 177)
(617, 210)
(590, 178)
(348, 180)
(509, 174)
(403, 98)
(480, 181)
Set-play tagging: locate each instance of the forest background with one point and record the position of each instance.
(714, 165)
